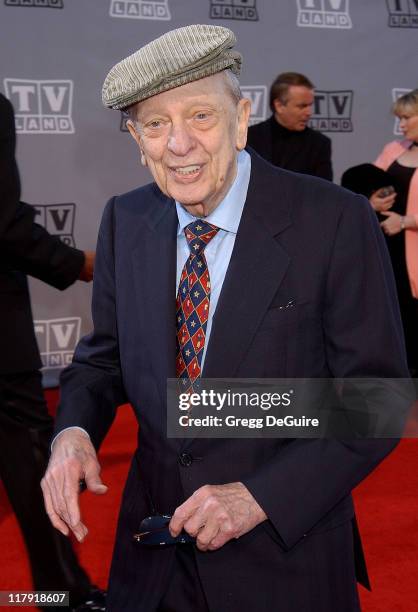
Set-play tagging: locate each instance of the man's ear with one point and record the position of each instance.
(278, 106)
(137, 138)
(243, 117)
(132, 131)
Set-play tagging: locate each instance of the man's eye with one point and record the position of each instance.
(201, 116)
(155, 124)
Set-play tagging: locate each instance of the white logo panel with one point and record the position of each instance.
(244, 10)
(403, 13)
(140, 9)
(57, 219)
(324, 14)
(258, 96)
(57, 339)
(332, 111)
(36, 3)
(41, 107)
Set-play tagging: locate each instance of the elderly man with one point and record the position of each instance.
(285, 139)
(281, 294)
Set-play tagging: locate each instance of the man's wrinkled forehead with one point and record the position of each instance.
(211, 92)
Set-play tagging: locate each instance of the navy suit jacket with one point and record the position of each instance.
(331, 260)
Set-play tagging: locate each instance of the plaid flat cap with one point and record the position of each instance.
(175, 58)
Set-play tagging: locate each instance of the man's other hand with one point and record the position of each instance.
(73, 459)
(87, 270)
(215, 514)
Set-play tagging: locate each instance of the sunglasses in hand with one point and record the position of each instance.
(154, 531)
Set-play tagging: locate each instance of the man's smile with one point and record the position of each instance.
(189, 172)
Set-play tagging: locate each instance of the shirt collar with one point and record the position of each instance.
(227, 214)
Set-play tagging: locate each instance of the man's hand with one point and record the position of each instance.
(380, 203)
(87, 270)
(215, 514)
(73, 459)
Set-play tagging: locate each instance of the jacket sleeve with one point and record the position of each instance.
(92, 386)
(25, 245)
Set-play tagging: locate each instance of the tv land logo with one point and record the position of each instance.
(324, 14)
(140, 9)
(402, 13)
(36, 3)
(332, 111)
(258, 96)
(57, 219)
(397, 92)
(41, 107)
(243, 10)
(57, 339)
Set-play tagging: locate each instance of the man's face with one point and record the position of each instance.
(189, 138)
(296, 112)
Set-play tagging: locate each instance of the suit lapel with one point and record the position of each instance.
(155, 284)
(257, 267)
(154, 264)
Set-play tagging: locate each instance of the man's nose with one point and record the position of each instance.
(180, 139)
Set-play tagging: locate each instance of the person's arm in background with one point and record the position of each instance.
(26, 245)
(395, 223)
(30, 248)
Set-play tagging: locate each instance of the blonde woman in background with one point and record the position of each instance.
(400, 160)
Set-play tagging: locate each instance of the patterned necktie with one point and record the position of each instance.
(192, 304)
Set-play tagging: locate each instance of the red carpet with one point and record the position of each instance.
(387, 508)
(99, 512)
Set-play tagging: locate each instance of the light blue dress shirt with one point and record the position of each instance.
(227, 216)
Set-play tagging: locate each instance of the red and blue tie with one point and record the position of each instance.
(192, 304)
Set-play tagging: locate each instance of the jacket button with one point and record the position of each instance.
(186, 459)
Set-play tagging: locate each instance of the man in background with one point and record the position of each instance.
(285, 139)
(25, 425)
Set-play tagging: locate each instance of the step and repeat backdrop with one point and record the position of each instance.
(74, 155)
